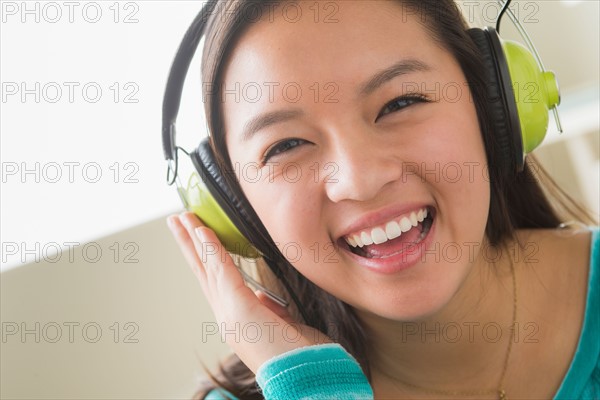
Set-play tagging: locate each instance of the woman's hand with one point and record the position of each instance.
(240, 312)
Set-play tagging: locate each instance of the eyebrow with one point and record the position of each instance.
(402, 67)
(267, 119)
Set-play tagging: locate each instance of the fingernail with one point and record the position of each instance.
(185, 220)
(199, 234)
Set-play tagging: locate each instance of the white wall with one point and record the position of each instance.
(150, 287)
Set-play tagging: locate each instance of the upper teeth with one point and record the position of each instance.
(383, 233)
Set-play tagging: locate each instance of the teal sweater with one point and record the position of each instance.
(328, 372)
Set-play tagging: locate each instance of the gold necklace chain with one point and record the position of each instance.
(500, 390)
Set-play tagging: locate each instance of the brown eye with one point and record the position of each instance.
(401, 103)
(282, 147)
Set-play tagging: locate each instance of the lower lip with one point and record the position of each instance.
(398, 262)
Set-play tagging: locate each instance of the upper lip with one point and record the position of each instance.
(379, 217)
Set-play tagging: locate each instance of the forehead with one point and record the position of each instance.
(317, 68)
(328, 38)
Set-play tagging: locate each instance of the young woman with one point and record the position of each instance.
(432, 269)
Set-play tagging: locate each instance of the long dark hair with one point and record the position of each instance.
(516, 200)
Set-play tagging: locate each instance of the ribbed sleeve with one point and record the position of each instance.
(323, 371)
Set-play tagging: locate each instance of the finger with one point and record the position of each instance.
(224, 281)
(205, 247)
(219, 265)
(221, 282)
(186, 244)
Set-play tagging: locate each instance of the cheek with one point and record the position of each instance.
(460, 175)
(456, 150)
(287, 204)
(459, 139)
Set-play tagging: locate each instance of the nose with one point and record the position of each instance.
(360, 169)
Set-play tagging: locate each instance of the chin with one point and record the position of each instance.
(423, 297)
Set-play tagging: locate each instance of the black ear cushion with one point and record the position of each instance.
(505, 122)
(232, 201)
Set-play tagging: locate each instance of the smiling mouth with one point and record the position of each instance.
(393, 238)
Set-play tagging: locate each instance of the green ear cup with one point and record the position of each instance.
(536, 92)
(202, 203)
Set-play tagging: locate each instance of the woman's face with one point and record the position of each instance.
(343, 121)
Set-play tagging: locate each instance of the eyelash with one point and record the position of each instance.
(408, 100)
(277, 148)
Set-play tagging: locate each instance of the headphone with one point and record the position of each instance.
(519, 122)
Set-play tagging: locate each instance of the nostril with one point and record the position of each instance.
(360, 178)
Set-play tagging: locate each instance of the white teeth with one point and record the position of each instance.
(413, 219)
(351, 242)
(405, 225)
(358, 241)
(366, 239)
(378, 236)
(392, 230)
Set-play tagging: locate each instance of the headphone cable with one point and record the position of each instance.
(501, 15)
